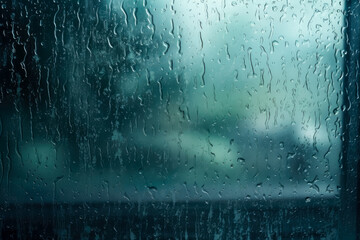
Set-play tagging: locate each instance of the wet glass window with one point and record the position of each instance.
(179, 119)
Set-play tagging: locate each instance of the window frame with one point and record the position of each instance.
(350, 179)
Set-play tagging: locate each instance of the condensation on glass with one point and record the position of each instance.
(171, 101)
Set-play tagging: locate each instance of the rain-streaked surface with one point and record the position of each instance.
(171, 119)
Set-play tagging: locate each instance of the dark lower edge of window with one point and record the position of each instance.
(282, 219)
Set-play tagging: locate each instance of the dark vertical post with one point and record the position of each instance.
(351, 151)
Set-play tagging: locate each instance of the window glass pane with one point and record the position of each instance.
(171, 101)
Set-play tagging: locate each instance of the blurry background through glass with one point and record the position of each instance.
(170, 101)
